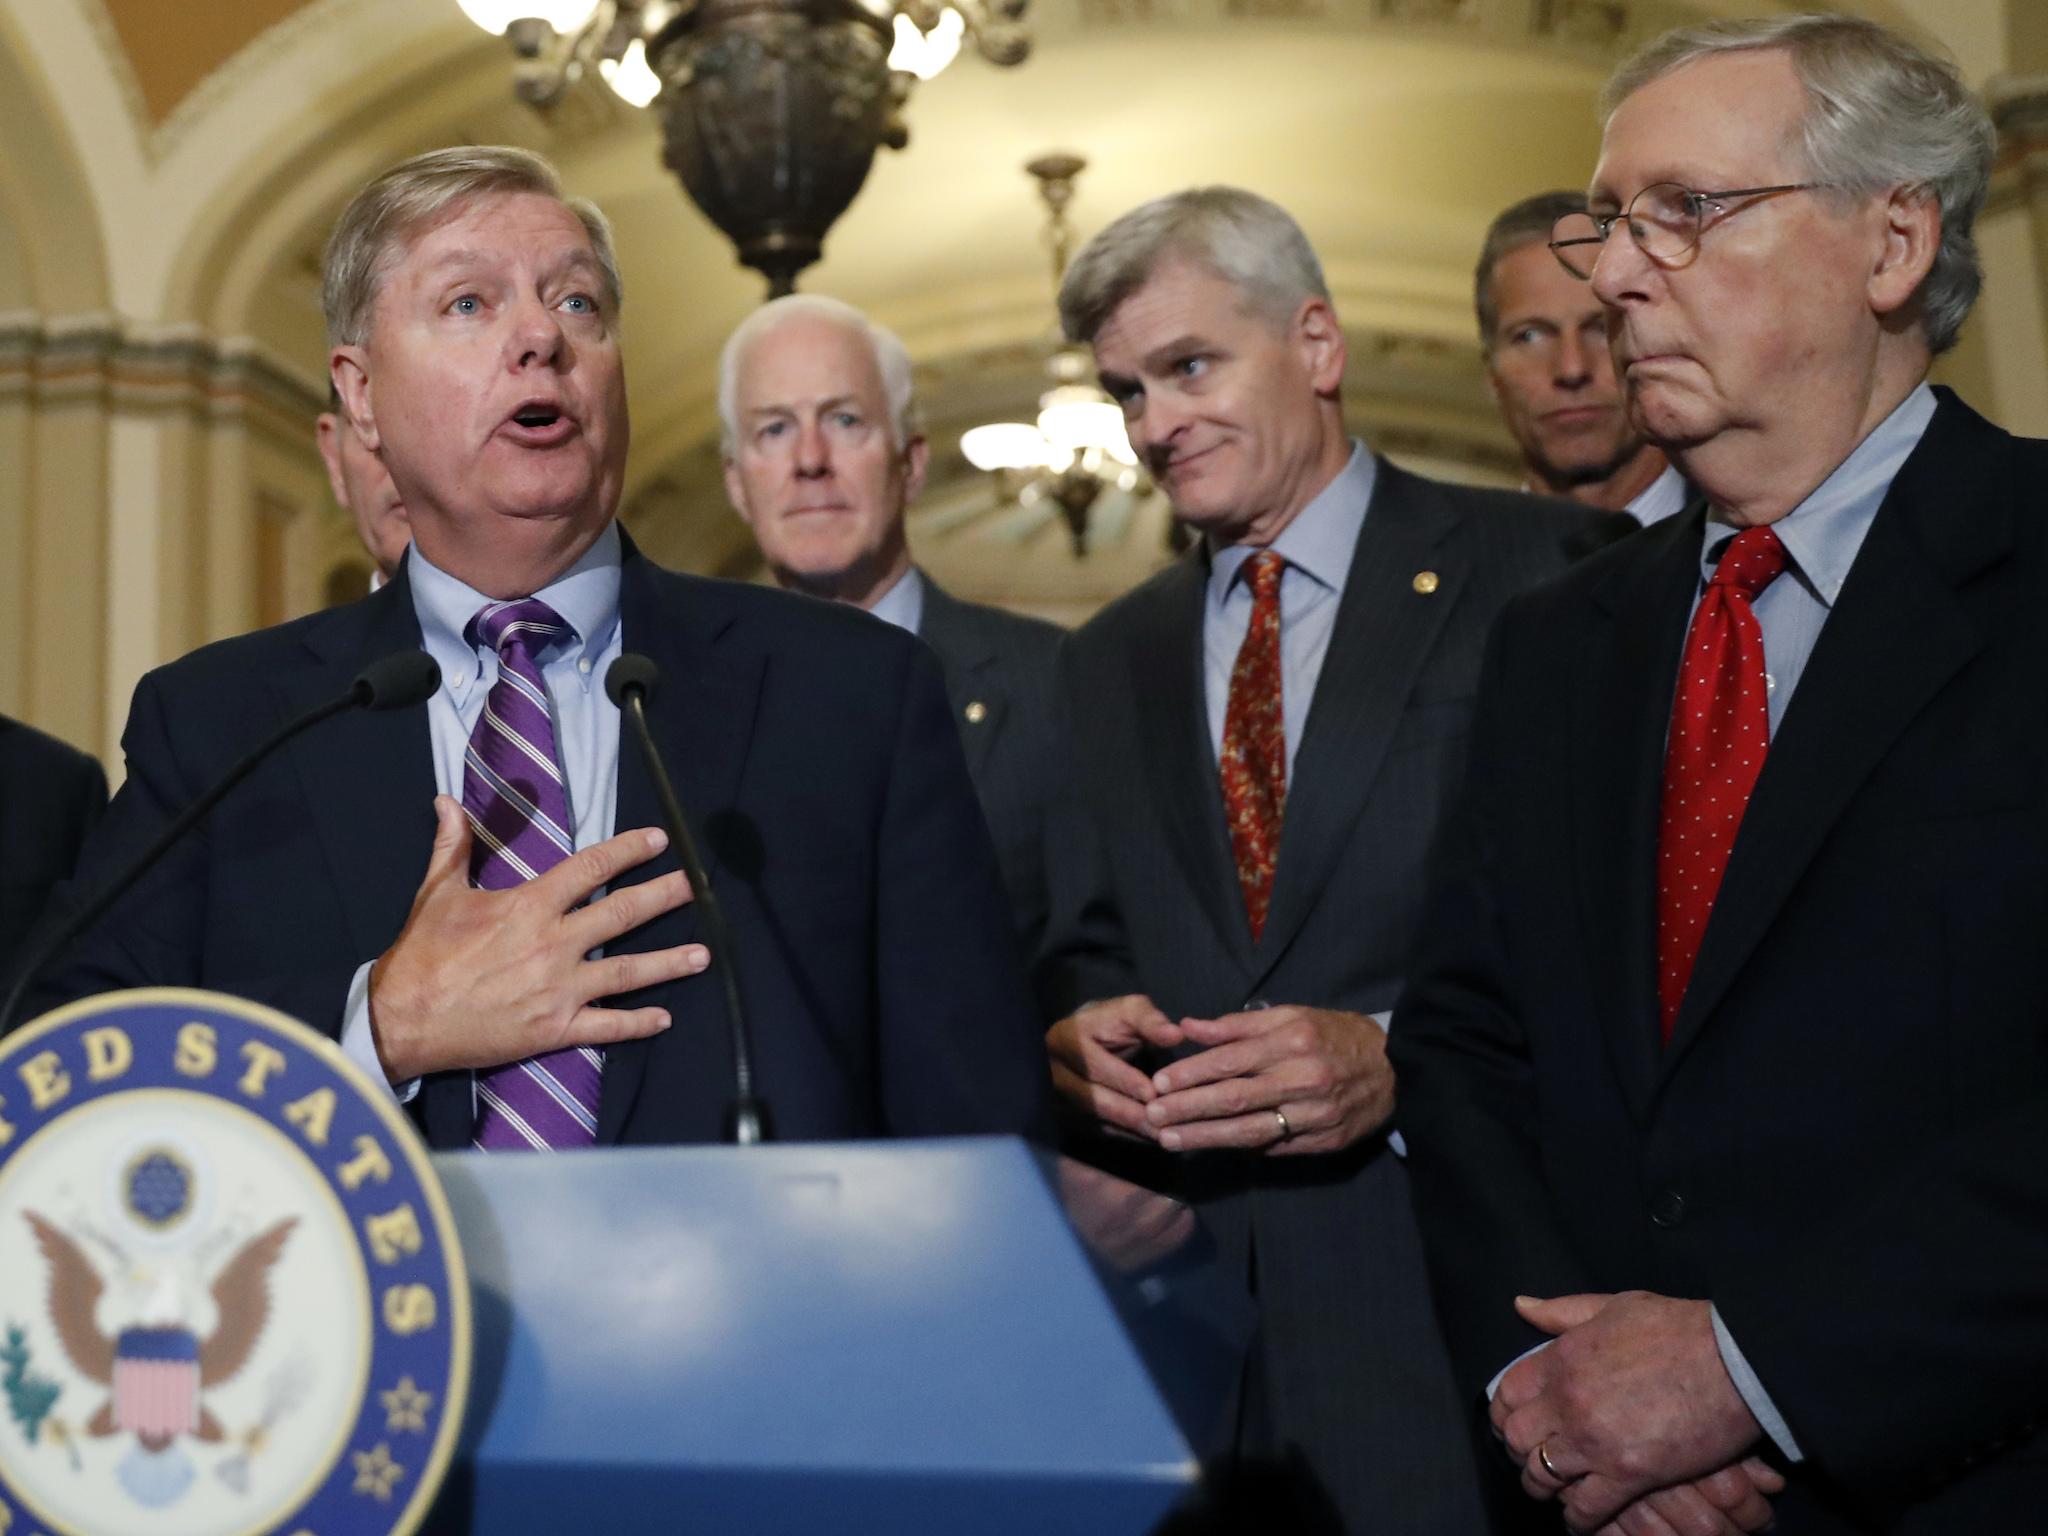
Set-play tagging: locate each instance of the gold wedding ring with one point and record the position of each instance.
(1543, 1455)
(1286, 1130)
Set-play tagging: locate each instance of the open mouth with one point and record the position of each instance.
(539, 424)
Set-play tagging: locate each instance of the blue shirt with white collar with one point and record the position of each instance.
(586, 721)
(1317, 545)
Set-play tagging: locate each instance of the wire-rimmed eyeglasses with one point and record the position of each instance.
(1664, 220)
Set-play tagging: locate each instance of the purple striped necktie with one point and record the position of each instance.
(519, 825)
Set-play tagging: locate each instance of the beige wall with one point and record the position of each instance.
(160, 349)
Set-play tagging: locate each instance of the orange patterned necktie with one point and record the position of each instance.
(1254, 765)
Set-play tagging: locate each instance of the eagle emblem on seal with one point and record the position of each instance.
(157, 1370)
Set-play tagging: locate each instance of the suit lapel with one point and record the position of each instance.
(1898, 633)
(1176, 755)
(702, 718)
(372, 801)
(1621, 713)
(1384, 631)
(964, 657)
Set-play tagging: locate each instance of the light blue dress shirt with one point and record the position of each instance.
(1663, 497)
(1318, 546)
(903, 604)
(586, 721)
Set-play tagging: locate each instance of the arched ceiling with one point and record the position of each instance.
(1393, 129)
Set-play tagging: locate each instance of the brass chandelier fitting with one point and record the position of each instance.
(771, 110)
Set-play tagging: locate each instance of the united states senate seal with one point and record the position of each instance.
(231, 1295)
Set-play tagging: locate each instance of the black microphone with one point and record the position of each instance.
(630, 682)
(397, 681)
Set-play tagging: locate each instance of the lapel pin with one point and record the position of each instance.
(976, 712)
(1425, 582)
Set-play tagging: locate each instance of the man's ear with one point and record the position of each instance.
(1321, 340)
(327, 432)
(917, 459)
(1911, 237)
(348, 368)
(736, 491)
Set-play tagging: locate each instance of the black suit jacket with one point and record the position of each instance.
(814, 752)
(999, 670)
(1845, 1146)
(1146, 899)
(50, 796)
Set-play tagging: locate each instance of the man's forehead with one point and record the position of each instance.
(1729, 115)
(503, 226)
(807, 360)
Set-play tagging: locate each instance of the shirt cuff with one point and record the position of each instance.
(1385, 1020)
(1753, 1393)
(360, 1044)
(1493, 1386)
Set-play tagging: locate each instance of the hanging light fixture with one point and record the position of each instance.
(1077, 448)
(771, 110)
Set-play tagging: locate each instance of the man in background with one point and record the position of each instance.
(363, 488)
(1547, 362)
(823, 457)
(1264, 734)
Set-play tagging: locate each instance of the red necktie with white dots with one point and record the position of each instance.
(1720, 730)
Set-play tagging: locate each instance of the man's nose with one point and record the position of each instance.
(1573, 364)
(1622, 270)
(537, 336)
(813, 454)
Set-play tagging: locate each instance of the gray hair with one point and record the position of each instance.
(415, 195)
(892, 360)
(1252, 244)
(1882, 112)
(1525, 223)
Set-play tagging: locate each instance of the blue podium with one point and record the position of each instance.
(872, 1337)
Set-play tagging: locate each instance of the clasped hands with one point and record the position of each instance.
(1630, 1421)
(1325, 1071)
(479, 978)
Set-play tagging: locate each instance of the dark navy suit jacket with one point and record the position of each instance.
(811, 746)
(50, 795)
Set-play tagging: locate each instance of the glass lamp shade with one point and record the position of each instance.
(924, 54)
(1075, 418)
(494, 16)
(1010, 445)
(630, 77)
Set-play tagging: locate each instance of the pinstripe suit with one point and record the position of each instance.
(999, 681)
(1348, 1387)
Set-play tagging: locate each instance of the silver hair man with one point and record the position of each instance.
(892, 358)
(1252, 243)
(1881, 113)
(419, 193)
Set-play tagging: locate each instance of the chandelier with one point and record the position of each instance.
(771, 110)
(1077, 448)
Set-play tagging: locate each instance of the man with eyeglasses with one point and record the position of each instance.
(1723, 1060)
(1544, 333)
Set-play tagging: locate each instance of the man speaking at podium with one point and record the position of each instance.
(434, 887)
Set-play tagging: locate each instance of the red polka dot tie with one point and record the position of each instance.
(1254, 765)
(1720, 730)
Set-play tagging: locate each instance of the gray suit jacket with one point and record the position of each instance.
(1358, 1393)
(999, 670)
